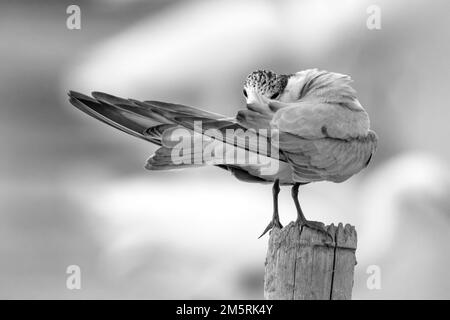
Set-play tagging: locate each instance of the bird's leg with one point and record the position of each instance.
(275, 217)
(319, 226)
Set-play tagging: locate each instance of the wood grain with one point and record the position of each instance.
(305, 264)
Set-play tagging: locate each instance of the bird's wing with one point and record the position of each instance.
(118, 118)
(156, 121)
(321, 86)
(314, 119)
(322, 128)
(327, 158)
(253, 119)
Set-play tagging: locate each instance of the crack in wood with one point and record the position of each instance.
(302, 263)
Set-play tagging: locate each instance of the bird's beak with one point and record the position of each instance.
(254, 99)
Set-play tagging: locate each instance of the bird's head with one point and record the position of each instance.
(263, 85)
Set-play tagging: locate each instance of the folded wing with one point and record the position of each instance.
(155, 121)
(321, 127)
(327, 158)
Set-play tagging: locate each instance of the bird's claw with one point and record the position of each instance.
(315, 225)
(271, 225)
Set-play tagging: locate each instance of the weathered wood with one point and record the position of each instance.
(305, 264)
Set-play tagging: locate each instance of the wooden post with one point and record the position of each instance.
(305, 264)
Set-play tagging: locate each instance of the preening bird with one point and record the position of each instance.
(313, 125)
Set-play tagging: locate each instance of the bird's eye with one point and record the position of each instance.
(275, 95)
(245, 93)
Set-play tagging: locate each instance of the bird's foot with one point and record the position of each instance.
(316, 225)
(274, 223)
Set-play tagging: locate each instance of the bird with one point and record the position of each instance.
(313, 126)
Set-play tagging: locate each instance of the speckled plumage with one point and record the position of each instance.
(266, 82)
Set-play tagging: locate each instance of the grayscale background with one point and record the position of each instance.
(73, 191)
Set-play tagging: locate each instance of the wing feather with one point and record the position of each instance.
(327, 158)
(155, 120)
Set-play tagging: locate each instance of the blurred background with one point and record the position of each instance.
(73, 191)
